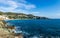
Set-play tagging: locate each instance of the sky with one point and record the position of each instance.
(43, 8)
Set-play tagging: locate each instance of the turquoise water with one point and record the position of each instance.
(37, 27)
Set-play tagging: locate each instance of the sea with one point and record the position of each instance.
(36, 28)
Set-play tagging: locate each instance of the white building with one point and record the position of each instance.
(2, 17)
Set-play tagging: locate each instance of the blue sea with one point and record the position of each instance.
(36, 27)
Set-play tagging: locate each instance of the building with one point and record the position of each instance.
(2, 17)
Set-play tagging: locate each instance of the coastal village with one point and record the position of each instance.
(8, 31)
(20, 16)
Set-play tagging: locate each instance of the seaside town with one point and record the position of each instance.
(8, 31)
(20, 16)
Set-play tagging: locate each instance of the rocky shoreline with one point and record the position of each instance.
(6, 31)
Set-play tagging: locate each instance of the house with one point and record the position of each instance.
(2, 17)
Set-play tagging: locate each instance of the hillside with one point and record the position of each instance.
(12, 15)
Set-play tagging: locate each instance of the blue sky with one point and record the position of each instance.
(46, 8)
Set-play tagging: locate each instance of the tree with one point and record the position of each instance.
(1, 13)
(30, 16)
(10, 13)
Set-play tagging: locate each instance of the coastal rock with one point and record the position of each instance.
(4, 33)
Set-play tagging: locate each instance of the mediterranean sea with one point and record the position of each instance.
(37, 27)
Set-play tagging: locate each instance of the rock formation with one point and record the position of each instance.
(4, 32)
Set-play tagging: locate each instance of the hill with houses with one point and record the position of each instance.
(21, 16)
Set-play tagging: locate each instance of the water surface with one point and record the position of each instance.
(36, 27)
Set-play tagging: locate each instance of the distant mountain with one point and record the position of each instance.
(13, 15)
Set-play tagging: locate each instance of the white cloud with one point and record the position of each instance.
(29, 6)
(23, 1)
(12, 5)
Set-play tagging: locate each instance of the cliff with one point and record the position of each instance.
(4, 32)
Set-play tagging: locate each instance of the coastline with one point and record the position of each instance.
(4, 32)
(7, 31)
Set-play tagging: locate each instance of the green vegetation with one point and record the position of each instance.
(13, 15)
